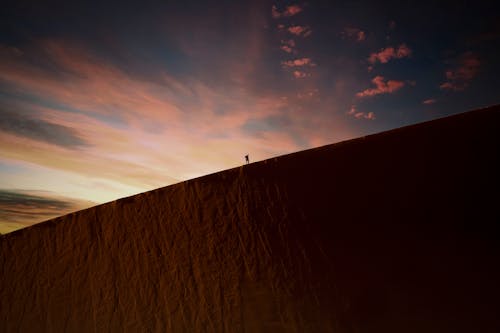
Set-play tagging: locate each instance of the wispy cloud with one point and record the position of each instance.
(300, 30)
(465, 69)
(287, 12)
(385, 55)
(429, 101)
(354, 34)
(21, 208)
(40, 130)
(110, 88)
(381, 87)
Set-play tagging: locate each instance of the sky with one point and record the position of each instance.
(100, 101)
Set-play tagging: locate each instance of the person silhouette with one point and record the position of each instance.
(247, 159)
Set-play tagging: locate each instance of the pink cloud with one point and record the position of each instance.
(363, 115)
(360, 115)
(298, 62)
(451, 86)
(429, 101)
(466, 67)
(355, 34)
(381, 87)
(352, 110)
(292, 10)
(299, 30)
(370, 115)
(299, 74)
(385, 55)
(288, 12)
(288, 45)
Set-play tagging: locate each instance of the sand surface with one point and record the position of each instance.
(395, 232)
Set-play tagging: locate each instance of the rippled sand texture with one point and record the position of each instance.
(394, 232)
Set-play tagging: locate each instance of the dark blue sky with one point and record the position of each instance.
(99, 101)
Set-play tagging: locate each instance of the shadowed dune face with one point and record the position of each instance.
(395, 232)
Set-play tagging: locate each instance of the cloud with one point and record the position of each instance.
(363, 115)
(353, 111)
(288, 46)
(40, 130)
(370, 115)
(138, 132)
(292, 10)
(298, 62)
(288, 12)
(300, 30)
(299, 74)
(403, 51)
(451, 86)
(381, 87)
(77, 79)
(429, 101)
(354, 34)
(22, 200)
(385, 55)
(22, 208)
(361, 36)
(465, 69)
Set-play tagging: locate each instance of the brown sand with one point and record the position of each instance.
(395, 232)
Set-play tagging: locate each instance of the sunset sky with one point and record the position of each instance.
(99, 101)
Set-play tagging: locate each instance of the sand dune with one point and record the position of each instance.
(394, 232)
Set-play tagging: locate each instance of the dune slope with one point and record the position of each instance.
(394, 232)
